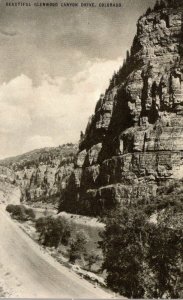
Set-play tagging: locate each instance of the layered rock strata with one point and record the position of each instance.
(134, 140)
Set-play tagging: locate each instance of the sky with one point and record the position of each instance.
(54, 64)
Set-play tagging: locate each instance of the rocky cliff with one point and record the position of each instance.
(9, 190)
(41, 174)
(134, 141)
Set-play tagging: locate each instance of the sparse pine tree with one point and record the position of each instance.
(157, 6)
(127, 55)
(148, 11)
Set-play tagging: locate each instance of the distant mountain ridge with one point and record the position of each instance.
(39, 154)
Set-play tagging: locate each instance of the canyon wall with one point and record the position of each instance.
(134, 141)
(41, 174)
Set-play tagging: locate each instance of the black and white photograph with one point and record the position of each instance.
(91, 149)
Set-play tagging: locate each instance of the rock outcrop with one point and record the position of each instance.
(134, 140)
(41, 174)
(9, 190)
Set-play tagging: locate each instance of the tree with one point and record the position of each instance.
(127, 56)
(92, 258)
(40, 226)
(20, 212)
(68, 228)
(78, 246)
(10, 208)
(144, 259)
(52, 231)
(159, 5)
(30, 213)
(173, 3)
(166, 255)
(124, 248)
(162, 4)
(148, 11)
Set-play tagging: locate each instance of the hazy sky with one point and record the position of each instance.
(54, 64)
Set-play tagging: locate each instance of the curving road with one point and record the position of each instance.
(37, 274)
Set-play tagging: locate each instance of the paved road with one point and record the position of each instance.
(38, 274)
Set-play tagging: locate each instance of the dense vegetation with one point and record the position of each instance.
(20, 212)
(143, 247)
(55, 232)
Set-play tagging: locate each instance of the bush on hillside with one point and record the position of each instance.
(53, 231)
(92, 258)
(78, 246)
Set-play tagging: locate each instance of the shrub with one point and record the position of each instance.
(53, 231)
(10, 208)
(30, 213)
(78, 246)
(66, 234)
(20, 212)
(92, 258)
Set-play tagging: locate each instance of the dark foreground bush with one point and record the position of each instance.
(10, 208)
(144, 258)
(20, 212)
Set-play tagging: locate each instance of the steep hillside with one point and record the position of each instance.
(134, 141)
(43, 173)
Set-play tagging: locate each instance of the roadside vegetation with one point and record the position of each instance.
(59, 233)
(20, 212)
(52, 231)
(70, 244)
